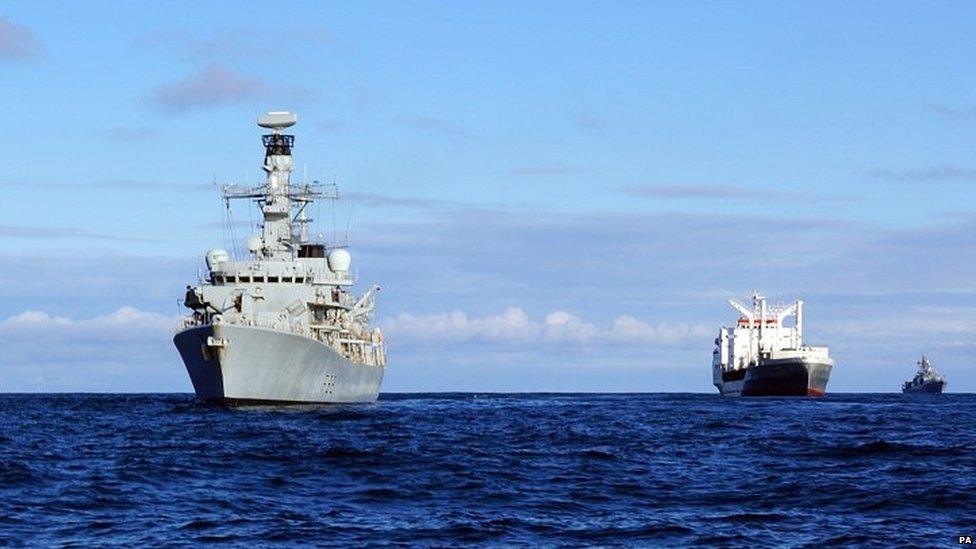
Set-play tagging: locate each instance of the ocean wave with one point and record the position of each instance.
(502, 470)
(881, 447)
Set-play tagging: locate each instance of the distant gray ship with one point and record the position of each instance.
(927, 379)
(281, 325)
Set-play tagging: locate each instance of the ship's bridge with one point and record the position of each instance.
(312, 270)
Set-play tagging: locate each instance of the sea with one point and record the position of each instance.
(512, 470)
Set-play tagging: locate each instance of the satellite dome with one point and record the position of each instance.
(339, 260)
(216, 258)
(255, 243)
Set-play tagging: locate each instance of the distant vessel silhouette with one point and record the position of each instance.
(927, 379)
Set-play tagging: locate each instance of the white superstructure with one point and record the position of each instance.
(281, 323)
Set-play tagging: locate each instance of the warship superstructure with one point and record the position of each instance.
(280, 325)
(927, 379)
(762, 356)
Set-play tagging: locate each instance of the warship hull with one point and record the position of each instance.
(934, 387)
(779, 377)
(234, 364)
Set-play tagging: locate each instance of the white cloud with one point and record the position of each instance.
(125, 350)
(123, 323)
(911, 323)
(211, 87)
(515, 326)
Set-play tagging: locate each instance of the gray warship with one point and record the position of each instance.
(927, 379)
(280, 324)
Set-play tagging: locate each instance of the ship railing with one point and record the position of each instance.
(370, 350)
(186, 322)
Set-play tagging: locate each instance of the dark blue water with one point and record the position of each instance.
(445, 470)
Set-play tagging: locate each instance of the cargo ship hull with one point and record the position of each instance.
(779, 377)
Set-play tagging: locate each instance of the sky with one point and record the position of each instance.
(554, 196)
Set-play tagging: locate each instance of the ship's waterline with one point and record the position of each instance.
(280, 325)
(787, 377)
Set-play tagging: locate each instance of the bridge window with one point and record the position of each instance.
(272, 279)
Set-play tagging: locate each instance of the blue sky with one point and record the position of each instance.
(554, 196)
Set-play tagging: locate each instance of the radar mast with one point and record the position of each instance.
(284, 234)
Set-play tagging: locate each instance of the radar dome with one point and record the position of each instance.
(255, 243)
(216, 258)
(339, 260)
(277, 120)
